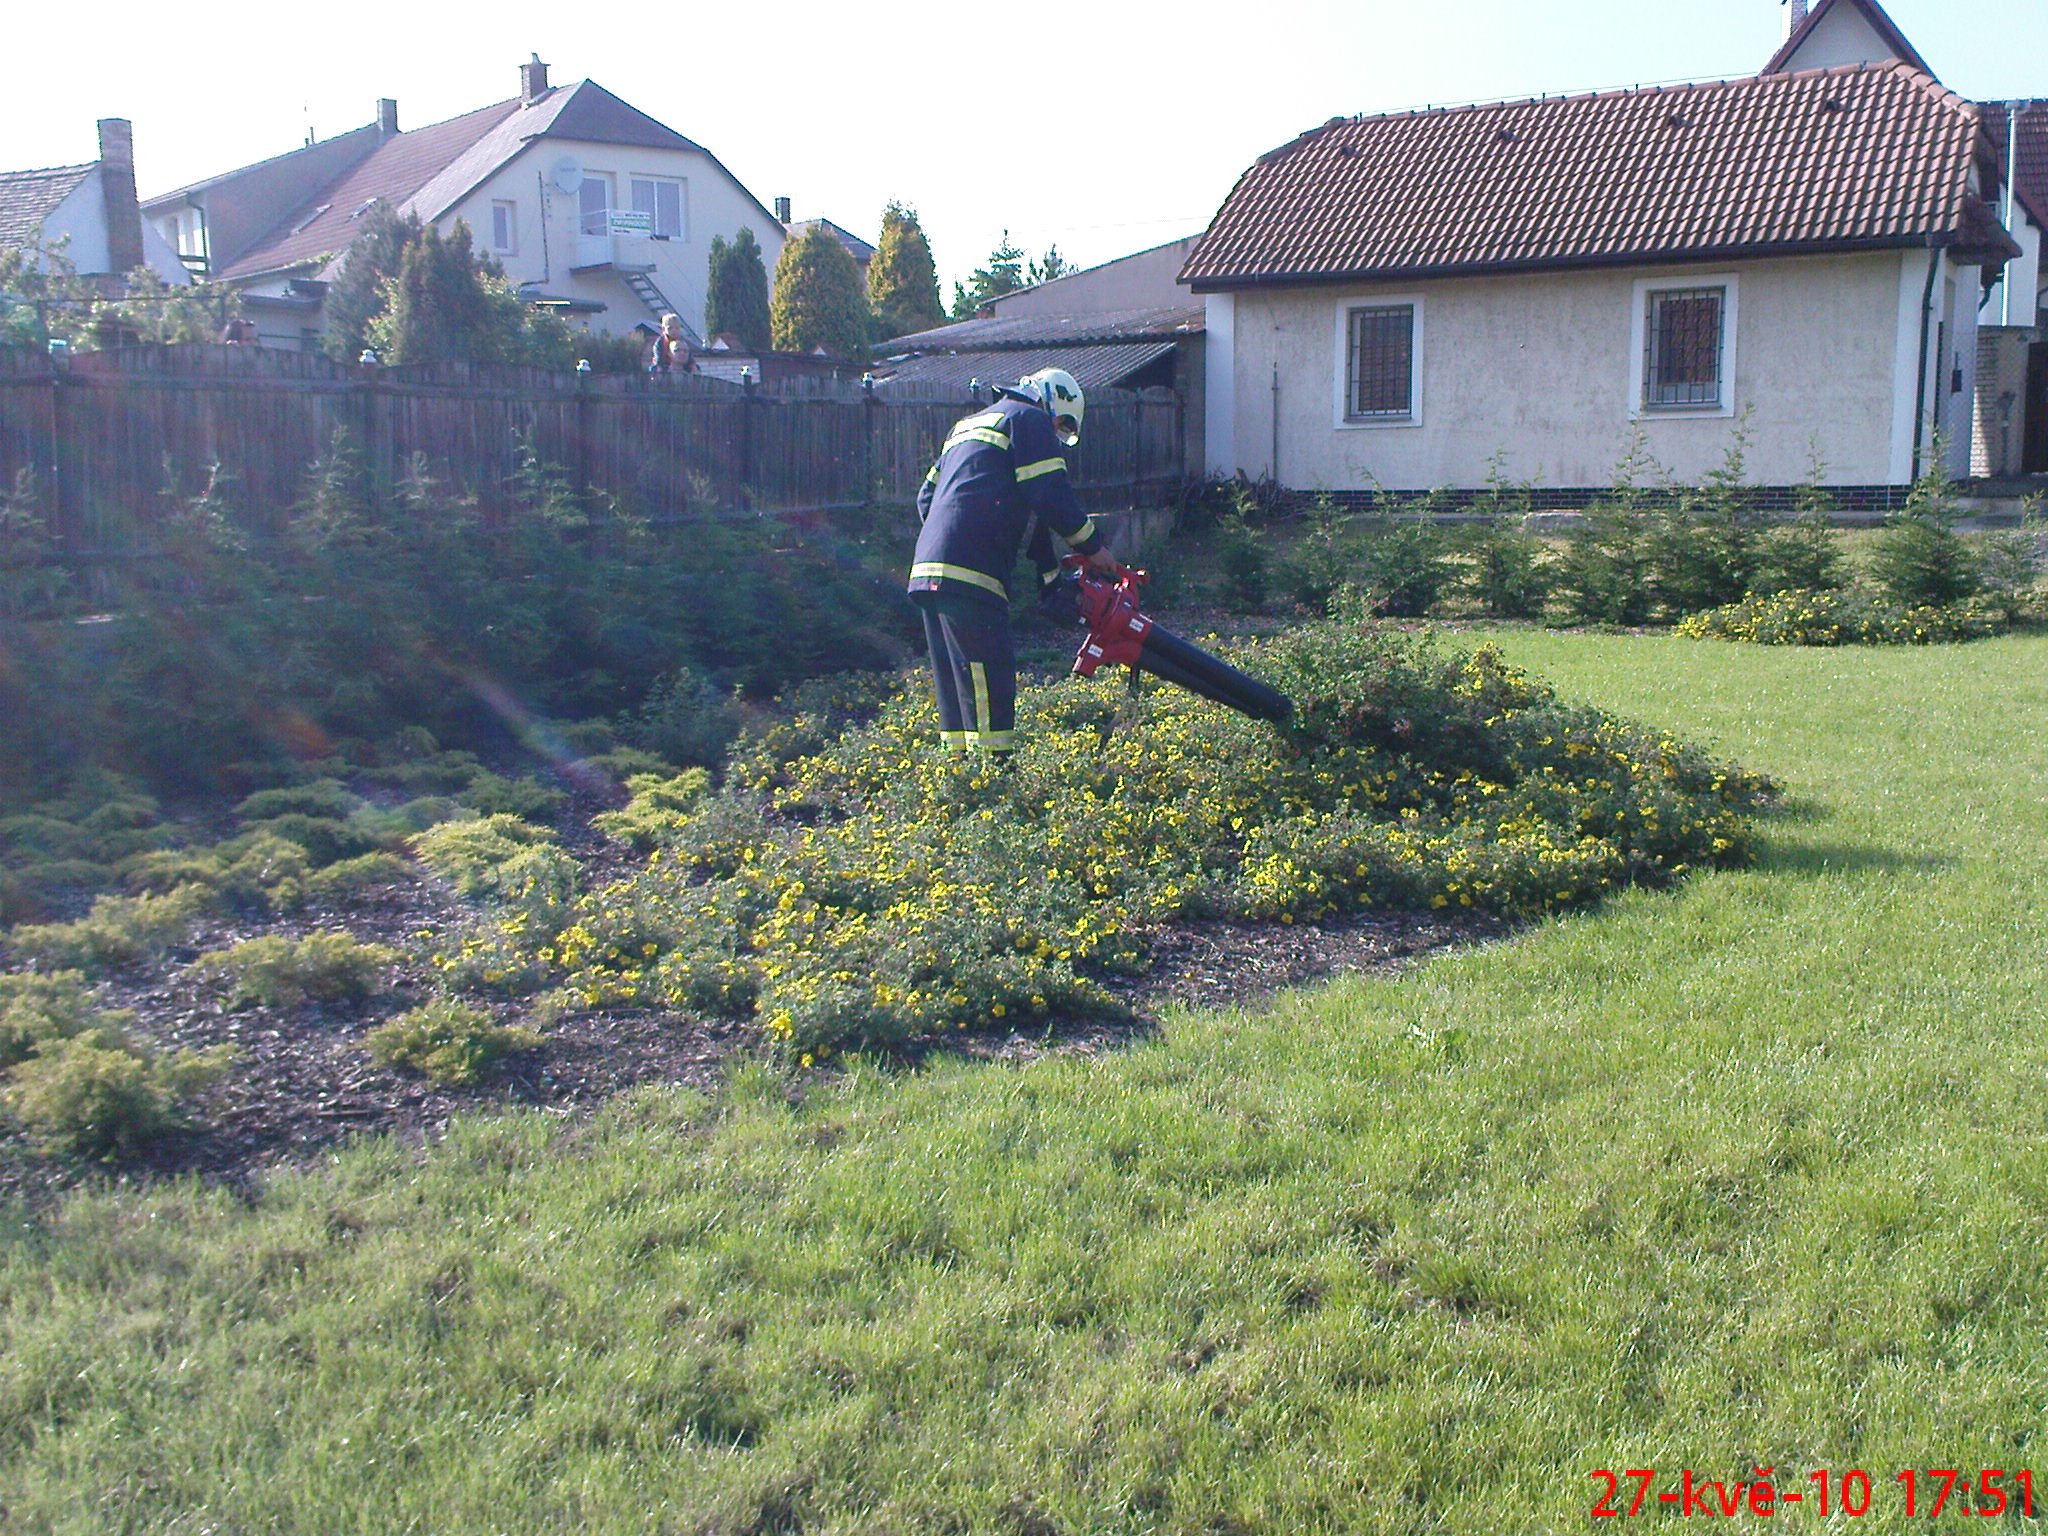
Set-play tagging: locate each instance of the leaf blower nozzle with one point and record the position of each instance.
(1119, 632)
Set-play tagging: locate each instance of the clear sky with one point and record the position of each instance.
(1101, 127)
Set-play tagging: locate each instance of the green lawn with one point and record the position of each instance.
(1752, 1173)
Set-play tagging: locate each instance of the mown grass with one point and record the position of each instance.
(1749, 1173)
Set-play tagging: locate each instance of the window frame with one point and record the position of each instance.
(603, 216)
(656, 184)
(1354, 304)
(1643, 293)
(506, 211)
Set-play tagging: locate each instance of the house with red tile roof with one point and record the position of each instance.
(1795, 260)
(2010, 432)
(589, 204)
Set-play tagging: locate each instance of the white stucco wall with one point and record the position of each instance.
(81, 220)
(1841, 37)
(1545, 370)
(548, 222)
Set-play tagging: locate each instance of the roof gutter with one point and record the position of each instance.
(1920, 378)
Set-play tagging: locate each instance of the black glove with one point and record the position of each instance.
(1060, 601)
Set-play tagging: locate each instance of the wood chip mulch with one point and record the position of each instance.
(303, 1085)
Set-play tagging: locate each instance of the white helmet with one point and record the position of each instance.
(1055, 389)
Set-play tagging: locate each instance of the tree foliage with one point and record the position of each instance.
(356, 297)
(44, 298)
(737, 304)
(819, 299)
(1049, 266)
(447, 303)
(903, 284)
(1002, 273)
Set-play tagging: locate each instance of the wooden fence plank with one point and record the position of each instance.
(111, 439)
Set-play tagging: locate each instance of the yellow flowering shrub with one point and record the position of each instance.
(852, 883)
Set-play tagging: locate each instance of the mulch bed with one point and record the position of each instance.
(303, 1085)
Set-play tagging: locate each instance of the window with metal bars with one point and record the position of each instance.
(1682, 348)
(1379, 374)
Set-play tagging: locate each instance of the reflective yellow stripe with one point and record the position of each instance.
(1042, 467)
(985, 419)
(992, 741)
(953, 741)
(977, 435)
(932, 475)
(979, 673)
(1082, 534)
(959, 573)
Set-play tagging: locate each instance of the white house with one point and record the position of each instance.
(588, 204)
(2010, 434)
(1405, 300)
(89, 210)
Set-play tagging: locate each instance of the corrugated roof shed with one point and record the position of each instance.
(1093, 367)
(27, 198)
(1862, 157)
(995, 331)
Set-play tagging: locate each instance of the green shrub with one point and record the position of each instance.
(120, 930)
(450, 1042)
(503, 860)
(99, 1094)
(1839, 618)
(658, 806)
(874, 889)
(1244, 564)
(1404, 564)
(326, 966)
(686, 719)
(352, 877)
(1506, 573)
(1920, 562)
(1323, 560)
(325, 839)
(1603, 570)
(36, 1008)
(328, 798)
(495, 795)
(2009, 563)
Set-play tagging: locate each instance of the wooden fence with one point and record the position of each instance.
(110, 437)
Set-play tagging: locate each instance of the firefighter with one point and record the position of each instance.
(999, 480)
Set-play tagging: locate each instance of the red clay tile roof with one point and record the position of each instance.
(2031, 142)
(1863, 157)
(393, 172)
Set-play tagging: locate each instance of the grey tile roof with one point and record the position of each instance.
(1163, 323)
(29, 197)
(1093, 367)
(1862, 157)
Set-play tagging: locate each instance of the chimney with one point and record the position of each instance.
(1795, 14)
(782, 210)
(533, 81)
(117, 189)
(387, 118)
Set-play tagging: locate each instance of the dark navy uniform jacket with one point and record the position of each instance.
(1000, 469)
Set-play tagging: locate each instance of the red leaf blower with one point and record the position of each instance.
(1118, 632)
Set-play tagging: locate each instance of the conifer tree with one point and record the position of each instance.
(903, 284)
(819, 300)
(356, 297)
(1003, 274)
(737, 304)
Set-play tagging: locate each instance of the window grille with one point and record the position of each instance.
(1682, 348)
(1380, 371)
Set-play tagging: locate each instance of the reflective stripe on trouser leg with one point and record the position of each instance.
(974, 672)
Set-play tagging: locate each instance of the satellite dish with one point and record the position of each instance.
(568, 175)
